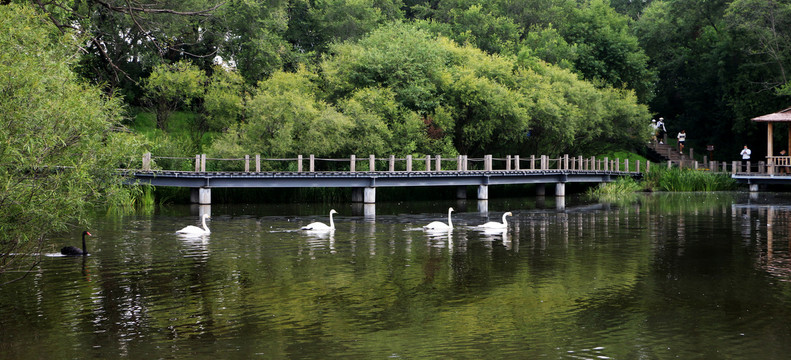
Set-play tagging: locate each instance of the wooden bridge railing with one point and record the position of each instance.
(775, 165)
(409, 163)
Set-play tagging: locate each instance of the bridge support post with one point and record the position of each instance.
(366, 195)
(200, 196)
(369, 195)
(560, 189)
(483, 192)
(541, 189)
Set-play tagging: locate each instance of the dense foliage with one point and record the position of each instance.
(59, 139)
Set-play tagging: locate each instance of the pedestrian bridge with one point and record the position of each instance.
(459, 172)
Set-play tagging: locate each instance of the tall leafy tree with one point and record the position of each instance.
(59, 140)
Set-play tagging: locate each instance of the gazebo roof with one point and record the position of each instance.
(780, 116)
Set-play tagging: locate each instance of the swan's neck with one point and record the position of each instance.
(84, 248)
(450, 224)
(203, 222)
(504, 223)
(332, 223)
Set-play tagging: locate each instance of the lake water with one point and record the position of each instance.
(691, 276)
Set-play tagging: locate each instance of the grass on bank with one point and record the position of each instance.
(663, 179)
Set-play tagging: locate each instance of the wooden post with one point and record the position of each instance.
(197, 163)
(647, 166)
(734, 167)
(516, 163)
(438, 164)
(247, 163)
(508, 162)
(459, 166)
(606, 164)
(532, 162)
(312, 163)
(594, 166)
(409, 163)
(147, 161)
(769, 139)
(203, 163)
(257, 162)
(353, 163)
(371, 163)
(428, 162)
(392, 163)
(566, 161)
(544, 162)
(626, 165)
(299, 163)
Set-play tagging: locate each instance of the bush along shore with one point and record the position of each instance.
(674, 180)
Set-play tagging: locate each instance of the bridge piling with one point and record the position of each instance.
(483, 192)
(200, 196)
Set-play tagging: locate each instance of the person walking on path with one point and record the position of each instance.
(745, 156)
(655, 130)
(682, 138)
(660, 130)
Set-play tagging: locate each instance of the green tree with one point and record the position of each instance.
(174, 86)
(59, 140)
(286, 119)
(607, 50)
(224, 99)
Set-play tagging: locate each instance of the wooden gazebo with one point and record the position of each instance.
(782, 116)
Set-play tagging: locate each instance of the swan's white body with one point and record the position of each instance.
(494, 225)
(194, 230)
(440, 226)
(320, 226)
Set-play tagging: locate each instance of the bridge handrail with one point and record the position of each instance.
(412, 163)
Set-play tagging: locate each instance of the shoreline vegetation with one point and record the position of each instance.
(662, 179)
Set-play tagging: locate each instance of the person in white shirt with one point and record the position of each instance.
(745, 155)
(682, 138)
(660, 130)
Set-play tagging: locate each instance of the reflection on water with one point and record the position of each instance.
(670, 275)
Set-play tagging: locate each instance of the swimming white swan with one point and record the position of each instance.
(496, 225)
(194, 230)
(320, 226)
(438, 225)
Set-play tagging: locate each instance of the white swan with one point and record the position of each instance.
(194, 230)
(496, 225)
(438, 225)
(320, 226)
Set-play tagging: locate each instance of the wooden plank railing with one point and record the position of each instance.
(391, 163)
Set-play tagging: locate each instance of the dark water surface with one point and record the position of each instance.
(691, 276)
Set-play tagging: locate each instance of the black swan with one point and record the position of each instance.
(71, 250)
